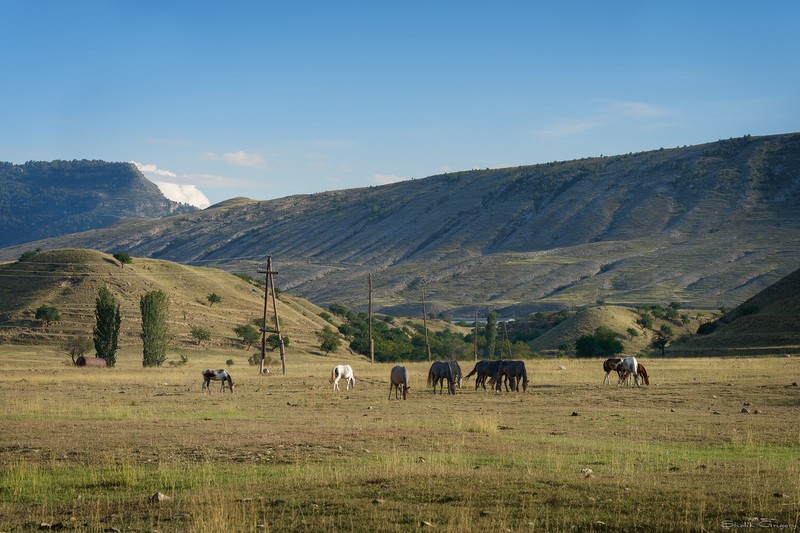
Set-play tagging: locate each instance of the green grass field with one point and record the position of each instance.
(85, 449)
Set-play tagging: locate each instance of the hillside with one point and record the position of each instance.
(706, 225)
(619, 320)
(40, 199)
(70, 280)
(767, 323)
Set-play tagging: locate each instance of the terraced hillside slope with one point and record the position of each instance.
(46, 199)
(70, 279)
(706, 225)
(767, 323)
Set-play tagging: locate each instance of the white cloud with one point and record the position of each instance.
(385, 179)
(153, 169)
(239, 158)
(183, 193)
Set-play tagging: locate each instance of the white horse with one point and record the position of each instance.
(342, 371)
(221, 375)
(628, 366)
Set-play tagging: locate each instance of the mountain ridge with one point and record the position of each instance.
(46, 199)
(706, 225)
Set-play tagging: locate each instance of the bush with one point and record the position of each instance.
(708, 327)
(200, 334)
(604, 342)
(229, 362)
(48, 314)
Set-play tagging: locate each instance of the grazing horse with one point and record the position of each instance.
(398, 378)
(483, 369)
(641, 371)
(514, 372)
(221, 375)
(96, 362)
(342, 371)
(610, 365)
(440, 371)
(456, 371)
(629, 365)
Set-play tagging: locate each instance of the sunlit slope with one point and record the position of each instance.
(70, 279)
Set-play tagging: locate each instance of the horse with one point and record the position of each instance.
(342, 371)
(641, 371)
(440, 371)
(96, 362)
(514, 371)
(629, 365)
(610, 365)
(483, 369)
(456, 371)
(398, 377)
(221, 375)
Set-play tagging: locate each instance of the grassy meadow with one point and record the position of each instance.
(85, 449)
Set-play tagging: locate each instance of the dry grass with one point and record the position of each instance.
(86, 448)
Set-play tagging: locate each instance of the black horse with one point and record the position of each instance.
(439, 372)
(456, 371)
(514, 372)
(483, 369)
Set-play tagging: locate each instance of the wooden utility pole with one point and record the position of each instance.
(425, 325)
(269, 286)
(506, 339)
(475, 336)
(370, 340)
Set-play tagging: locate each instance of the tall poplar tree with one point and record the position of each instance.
(106, 329)
(155, 333)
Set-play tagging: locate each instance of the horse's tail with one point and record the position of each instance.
(430, 377)
(474, 370)
(333, 375)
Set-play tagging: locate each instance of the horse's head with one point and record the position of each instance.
(405, 391)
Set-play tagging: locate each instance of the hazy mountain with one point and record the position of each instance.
(47, 199)
(705, 225)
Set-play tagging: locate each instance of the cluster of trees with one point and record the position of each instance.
(406, 342)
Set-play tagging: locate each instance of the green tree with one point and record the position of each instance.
(329, 339)
(76, 347)
(155, 334)
(48, 314)
(632, 332)
(200, 334)
(106, 329)
(491, 334)
(604, 342)
(248, 334)
(646, 321)
(661, 341)
(272, 341)
(213, 298)
(123, 258)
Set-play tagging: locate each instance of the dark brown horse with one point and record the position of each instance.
(610, 365)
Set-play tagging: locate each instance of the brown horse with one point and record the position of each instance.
(640, 370)
(610, 365)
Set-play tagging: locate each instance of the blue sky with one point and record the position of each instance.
(269, 99)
